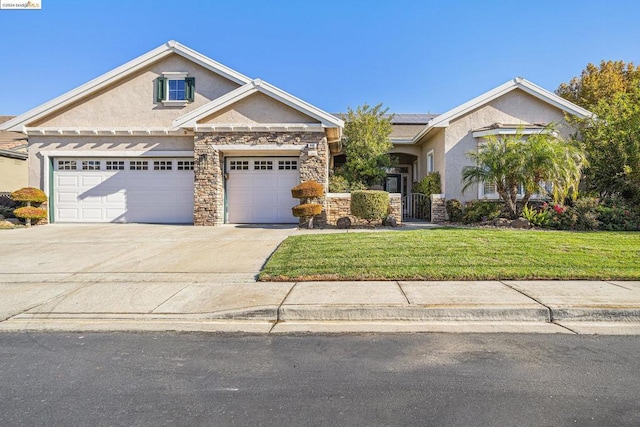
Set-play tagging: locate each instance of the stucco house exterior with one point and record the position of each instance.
(175, 137)
(13, 159)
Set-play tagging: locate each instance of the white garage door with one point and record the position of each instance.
(123, 190)
(259, 189)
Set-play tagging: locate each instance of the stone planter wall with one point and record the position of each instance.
(438, 208)
(338, 205)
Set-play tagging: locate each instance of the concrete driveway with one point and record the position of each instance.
(227, 253)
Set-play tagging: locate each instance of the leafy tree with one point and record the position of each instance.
(511, 160)
(612, 139)
(366, 145)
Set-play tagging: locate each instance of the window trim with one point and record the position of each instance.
(162, 91)
(431, 161)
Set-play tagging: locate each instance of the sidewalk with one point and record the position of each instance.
(202, 302)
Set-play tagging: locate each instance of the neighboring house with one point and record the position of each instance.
(13, 159)
(176, 137)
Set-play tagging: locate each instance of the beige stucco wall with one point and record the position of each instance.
(131, 101)
(516, 107)
(13, 174)
(259, 108)
(38, 144)
(435, 142)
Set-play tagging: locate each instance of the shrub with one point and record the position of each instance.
(583, 215)
(307, 190)
(454, 210)
(538, 218)
(370, 204)
(29, 212)
(6, 212)
(481, 210)
(29, 194)
(338, 184)
(428, 185)
(306, 210)
(616, 215)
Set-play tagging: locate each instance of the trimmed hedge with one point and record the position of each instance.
(29, 194)
(306, 210)
(29, 212)
(307, 190)
(370, 204)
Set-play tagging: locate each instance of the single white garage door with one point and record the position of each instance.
(258, 189)
(123, 190)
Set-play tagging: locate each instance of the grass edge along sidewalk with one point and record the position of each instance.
(457, 254)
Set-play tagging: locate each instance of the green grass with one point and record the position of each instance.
(456, 254)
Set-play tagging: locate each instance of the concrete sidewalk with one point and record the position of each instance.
(200, 302)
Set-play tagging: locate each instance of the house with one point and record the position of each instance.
(13, 159)
(176, 137)
(439, 142)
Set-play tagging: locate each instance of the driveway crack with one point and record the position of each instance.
(280, 307)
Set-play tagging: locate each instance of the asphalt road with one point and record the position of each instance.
(414, 379)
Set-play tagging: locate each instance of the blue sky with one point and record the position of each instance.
(413, 56)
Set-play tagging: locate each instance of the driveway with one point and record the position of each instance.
(120, 251)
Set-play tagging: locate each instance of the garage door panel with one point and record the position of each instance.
(261, 196)
(123, 195)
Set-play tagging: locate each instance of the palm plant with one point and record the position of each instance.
(511, 160)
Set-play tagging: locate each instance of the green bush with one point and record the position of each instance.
(339, 184)
(369, 204)
(428, 185)
(538, 218)
(481, 210)
(454, 210)
(582, 215)
(29, 212)
(616, 215)
(6, 212)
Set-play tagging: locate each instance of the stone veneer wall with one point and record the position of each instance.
(438, 208)
(338, 205)
(209, 165)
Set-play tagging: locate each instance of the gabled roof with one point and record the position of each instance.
(12, 144)
(169, 48)
(443, 120)
(189, 120)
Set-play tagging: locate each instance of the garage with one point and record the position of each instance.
(145, 190)
(258, 189)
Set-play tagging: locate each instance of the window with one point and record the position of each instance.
(239, 165)
(115, 165)
(67, 165)
(138, 165)
(162, 165)
(185, 165)
(263, 165)
(175, 88)
(91, 165)
(287, 165)
(431, 166)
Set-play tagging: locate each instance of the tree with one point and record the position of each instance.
(511, 161)
(612, 138)
(366, 145)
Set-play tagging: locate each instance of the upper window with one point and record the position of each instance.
(175, 88)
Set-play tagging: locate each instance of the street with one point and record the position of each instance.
(366, 379)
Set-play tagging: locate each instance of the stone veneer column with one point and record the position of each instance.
(209, 165)
(438, 208)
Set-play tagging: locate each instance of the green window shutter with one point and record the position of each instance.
(161, 89)
(190, 88)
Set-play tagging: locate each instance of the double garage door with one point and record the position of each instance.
(161, 190)
(123, 190)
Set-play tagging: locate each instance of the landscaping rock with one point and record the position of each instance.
(520, 223)
(502, 222)
(390, 221)
(5, 224)
(343, 223)
(14, 221)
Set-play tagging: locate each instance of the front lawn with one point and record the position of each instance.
(456, 254)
